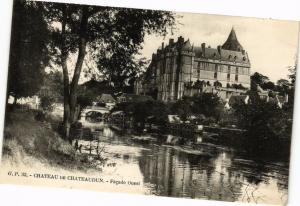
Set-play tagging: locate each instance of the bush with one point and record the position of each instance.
(40, 116)
(209, 121)
(47, 103)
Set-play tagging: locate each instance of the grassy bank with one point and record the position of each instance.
(27, 140)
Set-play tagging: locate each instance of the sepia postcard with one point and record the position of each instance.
(150, 102)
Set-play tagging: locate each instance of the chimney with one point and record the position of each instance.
(203, 48)
(220, 50)
(180, 39)
(162, 45)
(171, 42)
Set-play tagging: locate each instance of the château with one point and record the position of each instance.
(182, 69)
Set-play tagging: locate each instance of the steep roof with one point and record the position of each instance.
(232, 42)
(223, 54)
(106, 98)
(230, 51)
(187, 45)
(234, 56)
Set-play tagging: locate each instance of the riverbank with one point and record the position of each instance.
(28, 141)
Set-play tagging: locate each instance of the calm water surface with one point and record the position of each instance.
(210, 172)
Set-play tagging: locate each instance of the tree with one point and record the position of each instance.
(282, 86)
(53, 81)
(85, 99)
(291, 90)
(206, 104)
(217, 84)
(183, 108)
(283, 82)
(112, 35)
(237, 86)
(268, 85)
(150, 111)
(159, 112)
(292, 75)
(28, 53)
(258, 79)
(47, 103)
(265, 123)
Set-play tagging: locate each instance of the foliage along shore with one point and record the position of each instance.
(27, 141)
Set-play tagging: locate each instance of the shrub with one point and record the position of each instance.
(47, 103)
(40, 116)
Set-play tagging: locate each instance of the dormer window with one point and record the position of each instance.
(234, 58)
(244, 58)
(229, 57)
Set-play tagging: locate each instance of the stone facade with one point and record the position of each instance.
(181, 69)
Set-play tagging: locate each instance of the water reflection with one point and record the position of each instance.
(214, 173)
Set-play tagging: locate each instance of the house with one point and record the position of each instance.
(236, 100)
(107, 99)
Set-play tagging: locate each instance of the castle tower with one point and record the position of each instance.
(232, 42)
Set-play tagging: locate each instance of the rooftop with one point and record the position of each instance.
(231, 50)
(232, 42)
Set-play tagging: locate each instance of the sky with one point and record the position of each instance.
(271, 45)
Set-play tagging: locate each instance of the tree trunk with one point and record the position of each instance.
(74, 84)
(66, 120)
(70, 90)
(78, 66)
(64, 56)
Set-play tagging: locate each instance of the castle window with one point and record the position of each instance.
(228, 77)
(215, 75)
(206, 65)
(236, 77)
(237, 70)
(216, 67)
(228, 69)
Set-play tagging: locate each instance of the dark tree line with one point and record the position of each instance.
(206, 105)
(269, 127)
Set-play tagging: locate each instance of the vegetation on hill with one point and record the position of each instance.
(28, 141)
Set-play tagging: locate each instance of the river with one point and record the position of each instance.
(211, 172)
